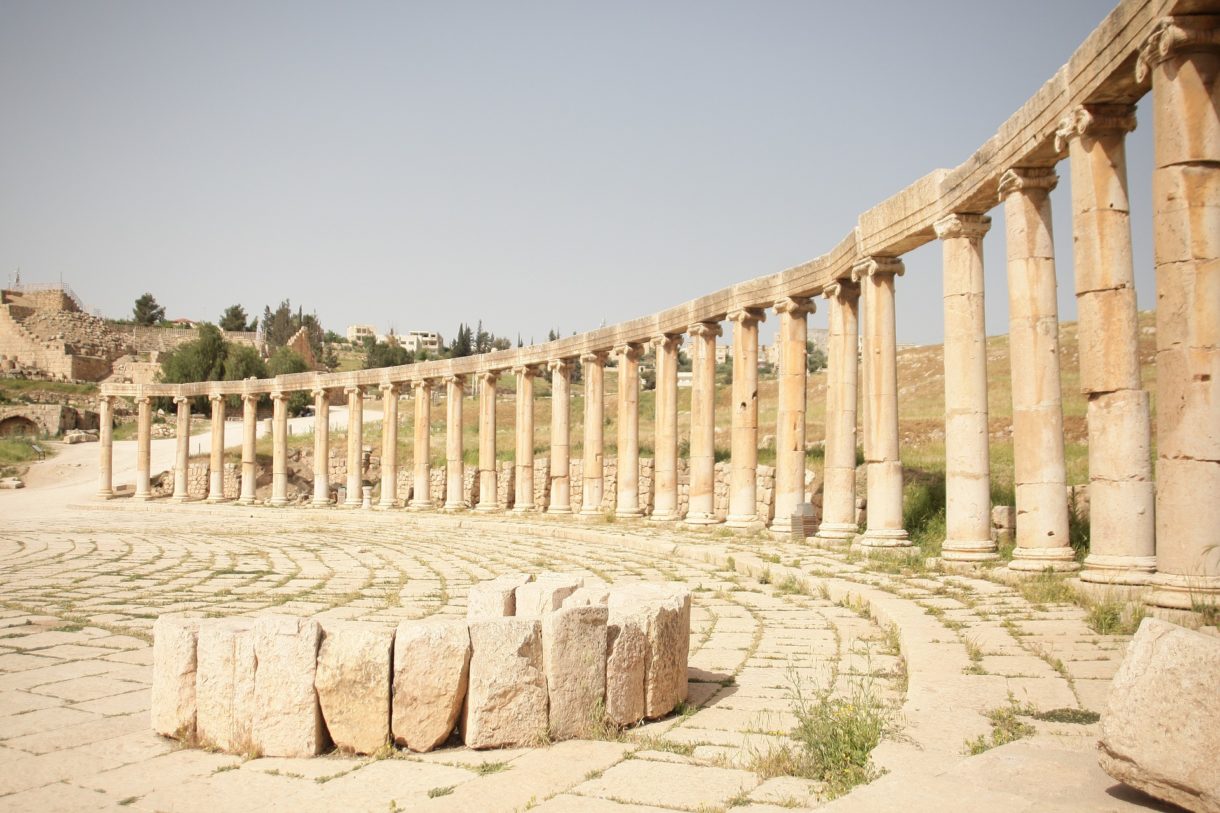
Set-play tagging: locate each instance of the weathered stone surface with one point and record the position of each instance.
(431, 673)
(224, 684)
(353, 684)
(545, 594)
(495, 598)
(287, 720)
(173, 685)
(506, 703)
(587, 596)
(626, 662)
(1161, 730)
(668, 634)
(574, 660)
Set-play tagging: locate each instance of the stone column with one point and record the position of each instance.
(389, 446)
(790, 412)
(523, 431)
(594, 369)
(105, 436)
(249, 435)
(216, 463)
(1122, 546)
(743, 488)
(967, 450)
(665, 442)
(1183, 56)
(182, 456)
(561, 404)
(454, 392)
(321, 448)
(279, 449)
(1037, 411)
(355, 446)
(842, 382)
(143, 447)
(876, 277)
(488, 497)
(702, 501)
(422, 498)
(627, 482)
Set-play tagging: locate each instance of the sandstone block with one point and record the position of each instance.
(495, 598)
(287, 719)
(1161, 730)
(588, 596)
(431, 674)
(626, 663)
(668, 632)
(545, 594)
(224, 684)
(353, 684)
(173, 686)
(574, 661)
(506, 703)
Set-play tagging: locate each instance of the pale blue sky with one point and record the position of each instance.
(533, 164)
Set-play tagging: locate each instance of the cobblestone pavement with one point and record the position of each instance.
(81, 586)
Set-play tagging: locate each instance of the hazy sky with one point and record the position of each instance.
(533, 164)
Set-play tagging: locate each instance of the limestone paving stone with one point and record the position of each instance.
(431, 676)
(173, 685)
(682, 786)
(353, 684)
(506, 703)
(287, 718)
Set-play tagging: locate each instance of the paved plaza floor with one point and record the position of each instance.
(81, 582)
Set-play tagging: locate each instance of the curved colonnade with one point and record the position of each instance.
(1144, 531)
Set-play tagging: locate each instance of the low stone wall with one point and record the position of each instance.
(535, 660)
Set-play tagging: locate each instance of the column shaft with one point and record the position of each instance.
(665, 442)
(743, 478)
(454, 393)
(1183, 55)
(249, 434)
(355, 446)
(876, 277)
(143, 447)
(561, 405)
(321, 447)
(216, 463)
(627, 483)
(842, 381)
(182, 455)
(1122, 548)
(790, 411)
(523, 432)
(702, 501)
(422, 497)
(389, 446)
(1037, 412)
(488, 485)
(279, 448)
(967, 452)
(105, 416)
(592, 489)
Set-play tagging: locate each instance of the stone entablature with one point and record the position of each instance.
(536, 659)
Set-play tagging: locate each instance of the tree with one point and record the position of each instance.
(815, 358)
(233, 320)
(147, 311)
(286, 361)
(243, 361)
(552, 335)
(381, 354)
(462, 344)
(210, 358)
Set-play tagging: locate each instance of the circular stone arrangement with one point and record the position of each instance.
(537, 659)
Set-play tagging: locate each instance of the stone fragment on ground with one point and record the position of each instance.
(1161, 730)
(431, 674)
(173, 685)
(506, 703)
(353, 684)
(287, 719)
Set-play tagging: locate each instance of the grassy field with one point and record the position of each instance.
(16, 453)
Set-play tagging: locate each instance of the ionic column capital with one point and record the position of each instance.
(250, 397)
(488, 376)
(1028, 180)
(596, 357)
(181, 399)
(143, 400)
(321, 392)
(877, 266)
(527, 370)
(844, 290)
(423, 385)
(667, 341)
(215, 396)
(350, 391)
(390, 387)
(703, 330)
(1176, 34)
(563, 366)
(455, 380)
(969, 226)
(279, 395)
(108, 400)
(1094, 120)
(747, 317)
(630, 351)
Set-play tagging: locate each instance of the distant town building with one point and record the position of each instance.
(417, 340)
(358, 333)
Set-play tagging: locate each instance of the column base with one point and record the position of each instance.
(353, 503)
(453, 508)
(421, 506)
(628, 513)
(890, 538)
(665, 516)
(592, 512)
(214, 500)
(1192, 593)
(487, 509)
(277, 502)
(702, 518)
(980, 551)
(141, 497)
(107, 494)
(180, 498)
(836, 534)
(558, 509)
(745, 522)
(316, 503)
(245, 500)
(386, 506)
(525, 509)
(1126, 570)
(1036, 560)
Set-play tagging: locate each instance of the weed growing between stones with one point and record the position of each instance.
(442, 791)
(1006, 726)
(1070, 716)
(1113, 616)
(790, 585)
(1047, 587)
